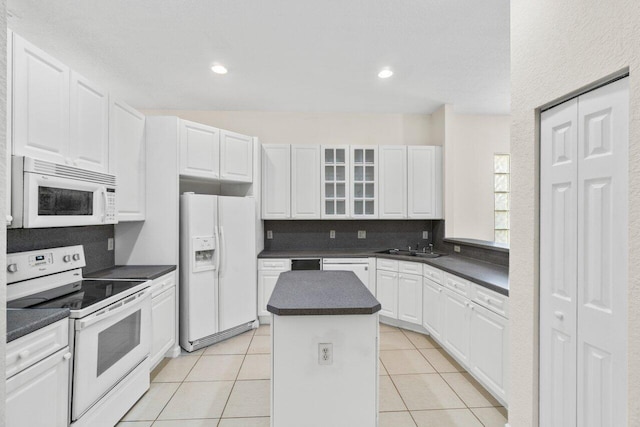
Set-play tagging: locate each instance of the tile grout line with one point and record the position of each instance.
(179, 385)
(244, 357)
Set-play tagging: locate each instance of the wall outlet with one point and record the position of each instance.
(362, 234)
(269, 234)
(456, 248)
(332, 234)
(425, 235)
(110, 244)
(325, 354)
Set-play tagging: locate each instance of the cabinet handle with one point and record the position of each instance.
(559, 314)
(24, 354)
(67, 356)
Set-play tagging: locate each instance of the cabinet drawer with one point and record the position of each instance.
(387, 264)
(432, 273)
(274, 264)
(457, 284)
(410, 267)
(163, 283)
(491, 300)
(32, 348)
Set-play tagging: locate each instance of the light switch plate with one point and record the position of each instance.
(110, 244)
(269, 234)
(425, 235)
(362, 234)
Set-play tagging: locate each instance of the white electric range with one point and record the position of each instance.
(110, 329)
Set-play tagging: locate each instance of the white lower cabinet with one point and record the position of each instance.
(456, 325)
(268, 272)
(387, 293)
(163, 317)
(410, 298)
(488, 348)
(37, 389)
(432, 308)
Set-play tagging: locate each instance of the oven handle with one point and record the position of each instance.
(113, 309)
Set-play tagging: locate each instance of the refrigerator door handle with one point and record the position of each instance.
(218, 249)
(222, 257)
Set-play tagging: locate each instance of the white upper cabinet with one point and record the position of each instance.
(392, 179)
(305, 181)
(276, 181)
(127, 142)
(236, 157)
(335, 181)
(199, 150)
(424, 176)
(57, 115)
(364, 181)
(40, 103)
(89, 110)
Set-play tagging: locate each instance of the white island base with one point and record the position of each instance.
(310, 394)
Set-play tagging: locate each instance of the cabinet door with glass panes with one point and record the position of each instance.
(335, 181)
(364, 177)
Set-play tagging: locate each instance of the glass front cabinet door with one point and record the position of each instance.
(364, 177)
(335, 181)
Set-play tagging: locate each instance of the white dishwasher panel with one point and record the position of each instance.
(360, 266)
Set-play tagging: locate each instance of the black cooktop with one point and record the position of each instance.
(75, 296)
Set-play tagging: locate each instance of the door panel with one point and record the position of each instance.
(603, 139)
(237, 271)
(558, 264)
(236, 157)
(305, 182)
(410, 298)
(199, 150)
(387, 293)
(488, 349)
(456, 325)
(432, 308)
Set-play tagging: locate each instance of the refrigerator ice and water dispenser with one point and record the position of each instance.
(203, 250)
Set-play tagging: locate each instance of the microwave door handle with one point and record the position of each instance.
(107, 313)
(104, 205)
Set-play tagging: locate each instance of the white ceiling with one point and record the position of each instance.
(283, 55)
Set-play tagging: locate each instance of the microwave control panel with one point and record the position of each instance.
(110, 212)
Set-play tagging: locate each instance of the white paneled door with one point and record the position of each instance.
(584, 259)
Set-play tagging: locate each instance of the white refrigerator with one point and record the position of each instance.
(218, 288)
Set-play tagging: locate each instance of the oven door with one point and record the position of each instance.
(109, 344)
(51, 201)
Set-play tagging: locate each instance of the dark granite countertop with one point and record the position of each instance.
(305, 293)
(491, 276)
(140, 272)
(330, 253)
(23, 321)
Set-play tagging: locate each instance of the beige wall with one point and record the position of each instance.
(470, 142)
(316, 128)
(557, 48)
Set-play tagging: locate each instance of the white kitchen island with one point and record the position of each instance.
(324, 366)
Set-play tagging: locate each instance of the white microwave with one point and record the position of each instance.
(45, 194)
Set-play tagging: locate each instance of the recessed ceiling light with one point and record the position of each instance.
(219, 69)
(385, 73)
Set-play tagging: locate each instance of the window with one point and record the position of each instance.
(501, 187)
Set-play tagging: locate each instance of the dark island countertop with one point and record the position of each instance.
(307, 293)
(23, 321)
(491, 276)
(139, 272)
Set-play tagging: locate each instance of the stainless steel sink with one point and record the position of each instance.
(411, 253)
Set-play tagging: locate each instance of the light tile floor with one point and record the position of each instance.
(227, 385)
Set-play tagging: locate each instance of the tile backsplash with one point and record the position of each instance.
(315, 234)
(93, 238)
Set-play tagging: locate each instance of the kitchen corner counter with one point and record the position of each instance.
(306, 293)
(140, 272)
(491, 276)
(23, 321)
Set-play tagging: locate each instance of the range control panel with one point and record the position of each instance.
(29, 265)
